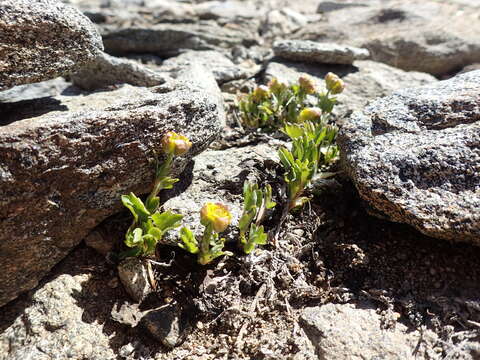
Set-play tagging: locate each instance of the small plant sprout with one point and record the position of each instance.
(216, 218)
(149, 225)
(256, 203)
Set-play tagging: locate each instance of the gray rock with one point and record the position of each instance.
(168, 40)
(327, 6)
(109, 70)
(223, 68)
(36, 90)
(315, 52)
(73, 165)
(232, 9)
(52, 326)
(169, 325)
(415, 157)
(365, 81)
(133, 274)
(405, 33)
(341, 331)
(281, 22)
(43, 39)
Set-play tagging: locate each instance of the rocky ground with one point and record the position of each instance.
(343, 281)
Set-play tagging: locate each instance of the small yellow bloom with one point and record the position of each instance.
(334, 83)
(173, 143)
(261, 93)
(217, 215)
(309, 114)
(307, 84)
(276, 86)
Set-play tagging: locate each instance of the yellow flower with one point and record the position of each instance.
(307, 84)
(173, 143)
(260, 93)
(276, 86)
(309, 114)
(334, 83)
(217, 215)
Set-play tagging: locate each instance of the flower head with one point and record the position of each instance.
(173, 143)
(307, 84)
(261, 93)
(309, 114)
(217, 215)
(276, 86)
(334, 84)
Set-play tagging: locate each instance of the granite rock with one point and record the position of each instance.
(107, 70)
(73, 156)
(414, 156)
(315, 52)
(342, 331)
(43, 39)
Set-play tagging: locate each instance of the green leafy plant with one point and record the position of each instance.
(312, 147)
(313, 144)
(271, 107)
(256, 203)
(215, 218)
(149, 225)
(147, 228)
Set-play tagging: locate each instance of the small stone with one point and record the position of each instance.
(168, 324)
(134, 276)
(315, 52)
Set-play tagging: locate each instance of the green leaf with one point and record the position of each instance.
(167, 182)
(257, 236)
(188, 241)
(149, 244)
(156, 233)
(167, 220)
(152, 204)
(136, 207)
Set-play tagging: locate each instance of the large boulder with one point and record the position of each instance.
(43, 39)
(64, 162)
(430, 36)
(414, 156)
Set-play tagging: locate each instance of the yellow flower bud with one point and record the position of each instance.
(334, 83)
(260, 93)
(309, 114)
(217, 215)
(276, 86)
(307, 84)
(173, 143)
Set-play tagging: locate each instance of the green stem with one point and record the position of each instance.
(160, 174)
(205, 244)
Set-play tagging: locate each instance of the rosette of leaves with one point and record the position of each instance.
(147, 228)
(256, 203)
